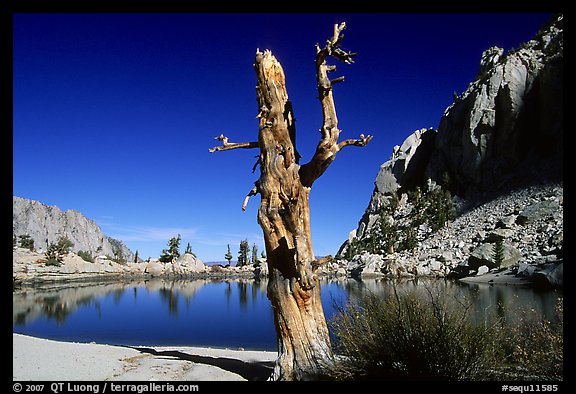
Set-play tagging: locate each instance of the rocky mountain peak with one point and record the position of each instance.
(504, 133)
(45, 224)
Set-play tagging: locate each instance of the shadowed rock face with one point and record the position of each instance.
(508, 125)
(504, 133)
(406, 167)
(505, 130)
(45, 224)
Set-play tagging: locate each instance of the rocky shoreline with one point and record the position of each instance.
(29, 268)
(529, 222)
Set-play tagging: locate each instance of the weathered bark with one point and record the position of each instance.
(284, 186)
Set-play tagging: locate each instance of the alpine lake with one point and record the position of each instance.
(226, 313)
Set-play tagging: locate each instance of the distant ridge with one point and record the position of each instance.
(45, 224)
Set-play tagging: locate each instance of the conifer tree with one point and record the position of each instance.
(173, 252)
(228, 256)
(243, 254)
(189, 250)
(498, 252)
(26, 242)
(254, 253)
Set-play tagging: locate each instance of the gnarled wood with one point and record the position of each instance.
(284, 215)
(328, 145)
(232, 145)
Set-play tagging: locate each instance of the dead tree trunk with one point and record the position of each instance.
(284, 215)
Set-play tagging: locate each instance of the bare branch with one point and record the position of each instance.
(328, 146)
(251, 193)
(363, 141)
(337, 80)
(232, 145)
(321, 261)
(256, 164)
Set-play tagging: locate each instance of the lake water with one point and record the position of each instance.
(220, 313)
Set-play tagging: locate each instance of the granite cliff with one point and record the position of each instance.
(46, 224)
(499, 145)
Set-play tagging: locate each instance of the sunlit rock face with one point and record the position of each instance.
(46, 224)
(498, 150)
(507, 126)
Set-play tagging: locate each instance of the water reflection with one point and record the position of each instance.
(484, 301)
(226, 313)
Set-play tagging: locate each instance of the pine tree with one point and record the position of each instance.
(189, 250)
(498, 252)
(254, 253)
(26, 242)
(56, 252)
(64, 244)
(228, 256)
(136, 257)
(243, 254)
(410, 241)
(172, 253)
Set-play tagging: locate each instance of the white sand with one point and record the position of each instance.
(42, 359)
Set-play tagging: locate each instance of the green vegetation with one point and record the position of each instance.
(26, 242)
(498, 252)
(86, 256)
(243, 253)
(136, 257)
(415, 337)
(228, 256)
(117, 251)
(56, 252)
(172, 253)
(533, 348)
(254, 253)
(432, 208)
(189, 250)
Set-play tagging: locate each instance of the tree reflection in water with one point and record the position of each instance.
(230, 312)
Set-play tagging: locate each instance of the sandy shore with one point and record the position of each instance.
(505, 277)
(42, 359)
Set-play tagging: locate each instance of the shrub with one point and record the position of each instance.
(407, 337)
(533, 347)
(86, 256)
(53, 262)
(64, 244)
(26, 242)
(55, 252)
(53, 255)
(411, 337)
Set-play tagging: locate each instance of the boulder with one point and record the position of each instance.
(261, 271)
(190, 263)
(499, 234)
(482, 270)
(539, 211)
(506, 222)
(367, 265)
(484, 255)
(422, 270)
(436, 265)
(341, 272)
(525, 269)
(154, 268)
(551, 275)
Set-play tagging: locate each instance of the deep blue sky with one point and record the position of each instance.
(114, 113)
